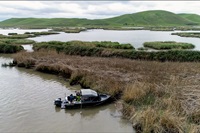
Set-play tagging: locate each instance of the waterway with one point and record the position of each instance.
(26, 105)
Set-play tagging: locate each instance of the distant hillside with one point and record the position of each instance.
(191, 17)
(146, 18)
(151, 18)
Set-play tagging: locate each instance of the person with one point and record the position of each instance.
(77, 93)
(78, 96)
(71, 98)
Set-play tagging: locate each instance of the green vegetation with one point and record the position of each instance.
(19, 36)
(91, 49)
(123, 28)
(69, 30)
(9, 45)
(150, 18)
(145, 19)
(17, 41)
(187, 34)
(192, 17)
(161, 28)
(115, 45)
(185, 28)
(8, 48)
(12, 33)
(41, 33)
(79, 47)
(168, 45)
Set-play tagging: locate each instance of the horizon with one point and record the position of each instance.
(90, 9)
(92, 19)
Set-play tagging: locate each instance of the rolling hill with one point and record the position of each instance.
(146, 18)
(151, 18)
(191, 17)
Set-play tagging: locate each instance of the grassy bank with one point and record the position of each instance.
(9, 48)
(157, 97)
(187, 34)
(16, 41)
(35, 34)
(114, 49)
(168, 45)
(8, 45)
(69, 30)
(104, 48)
(26, 35)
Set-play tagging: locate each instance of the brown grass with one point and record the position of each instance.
(158, 97)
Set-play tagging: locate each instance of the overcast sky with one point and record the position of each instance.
(89, 9)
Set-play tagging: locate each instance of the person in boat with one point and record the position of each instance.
(78, 96)
(71, 98)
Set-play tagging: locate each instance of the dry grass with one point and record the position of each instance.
(162, 97)
(136, 91)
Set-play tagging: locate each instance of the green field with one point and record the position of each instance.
(145, 18)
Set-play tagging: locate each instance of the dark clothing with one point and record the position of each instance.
(71, 98)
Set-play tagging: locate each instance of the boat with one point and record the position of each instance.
(88, 98)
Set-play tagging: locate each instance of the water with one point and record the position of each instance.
(134, 37)
(26, 105)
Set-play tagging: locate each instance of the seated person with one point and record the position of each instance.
(71, 98)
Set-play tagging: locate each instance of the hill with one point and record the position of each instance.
(191, 17)
(151, 18)
(146, 18)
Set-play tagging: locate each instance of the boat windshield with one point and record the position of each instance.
(88, 92)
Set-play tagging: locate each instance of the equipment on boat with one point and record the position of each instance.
(86, 98)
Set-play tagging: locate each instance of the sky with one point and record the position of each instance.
(89, 9)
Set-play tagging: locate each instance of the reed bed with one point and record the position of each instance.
(157, 97)
(187, 34)
(114, 49)
(168, 45)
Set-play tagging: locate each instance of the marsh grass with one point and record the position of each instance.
(90, 49)
(168, 45)
(158, 97)
(17, 41)
(187, 34)
(8, 48)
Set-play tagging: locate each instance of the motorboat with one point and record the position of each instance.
(85, 98)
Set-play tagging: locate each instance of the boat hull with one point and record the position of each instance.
(84, 104)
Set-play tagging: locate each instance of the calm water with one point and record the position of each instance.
(26, 105)
(135, 37)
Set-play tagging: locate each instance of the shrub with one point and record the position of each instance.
(7, 48)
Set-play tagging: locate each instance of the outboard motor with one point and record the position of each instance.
(58, 102)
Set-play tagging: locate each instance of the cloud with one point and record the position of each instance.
(90, 9)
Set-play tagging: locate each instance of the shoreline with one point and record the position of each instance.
(143, 86)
